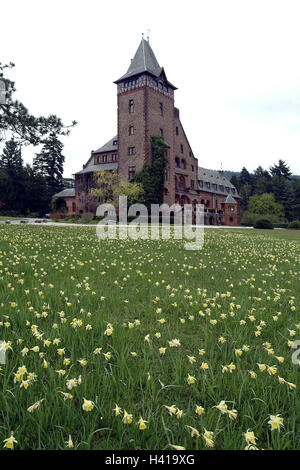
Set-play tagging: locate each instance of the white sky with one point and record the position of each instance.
(235, 63)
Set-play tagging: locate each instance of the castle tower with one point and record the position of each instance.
(145, 109)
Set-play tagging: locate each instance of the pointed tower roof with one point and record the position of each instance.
(144, 61)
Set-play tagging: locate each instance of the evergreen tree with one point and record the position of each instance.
(235, 181)
(281, 169)
(11, 158)
(262, 181)
(49, 163)
(245, 178)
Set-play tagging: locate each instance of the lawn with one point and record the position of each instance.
(142, 344)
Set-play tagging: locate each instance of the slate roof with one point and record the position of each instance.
(215, 177)
(66, 193)
(229, 200)
(144, 61)
(109, 146)
(102, 166)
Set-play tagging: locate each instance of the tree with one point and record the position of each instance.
(245, 178)
(109, 188)
(245, 193)
(24, 127)
(11, 158)
(49, 163)
(281, 169)
(152, 176)
(265, 204)
(106, 183)
(262, 181)
(234, 180)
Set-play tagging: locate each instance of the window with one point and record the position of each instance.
(131, 106)
(227, 189)
(97, 159)
(183, 164)
(104, 158)
(131, 150)
(207, 184)
(214, 186)
(231, 208)
(161, 109)
(114, 157)
(177, 162)
(181, 148)
(233, 190)
(73, 207)
(192, 184)
(161, 132)
(221, 188)
(131, 172)
(115, 142)
(131, 130)
(192, 167)
(176, 130)
(201, 185)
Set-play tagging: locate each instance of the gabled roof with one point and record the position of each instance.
(110, 146)
(66, 193)
(144, 61)
(100, 167)
(215, 177)
(229, 200)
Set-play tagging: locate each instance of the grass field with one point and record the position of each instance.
(136, 344)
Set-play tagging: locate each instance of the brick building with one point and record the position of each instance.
(146, 108)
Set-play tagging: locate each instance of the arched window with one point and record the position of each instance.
(183, 163)
(181, 182)
(177, 162)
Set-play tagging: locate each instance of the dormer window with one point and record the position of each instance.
(115, 142)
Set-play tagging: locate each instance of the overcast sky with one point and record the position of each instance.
(235, 63)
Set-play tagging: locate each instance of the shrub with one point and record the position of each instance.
(249, 218)
(295, 224)
(87, 217)
(57, 215)
(263, 223)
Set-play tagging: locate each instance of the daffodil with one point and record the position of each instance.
(88, 405)
(194, 431)
(199, 410)
(142, 424)
(9, 442)
(127, 418)
(250, 437)
(275, 422)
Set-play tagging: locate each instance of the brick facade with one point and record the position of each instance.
(145, 100)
